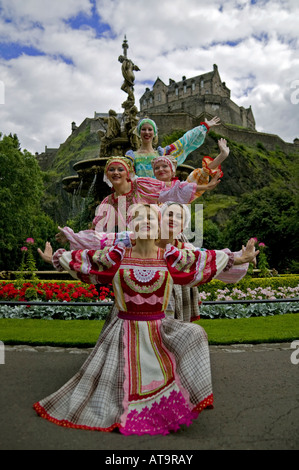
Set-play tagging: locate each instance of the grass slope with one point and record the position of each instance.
(84, 333)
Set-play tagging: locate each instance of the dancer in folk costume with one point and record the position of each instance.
(185, 302)
(148, 374)
(165, 166)
(147, 132)
(119, 174)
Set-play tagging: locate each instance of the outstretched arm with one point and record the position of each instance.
(190, 141)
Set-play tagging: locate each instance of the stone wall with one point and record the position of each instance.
(45, 158)
(168, 122)
(250, 137)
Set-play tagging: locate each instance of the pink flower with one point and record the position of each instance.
(255, 239)
(262, 244)
(24, 248)
(30, 241)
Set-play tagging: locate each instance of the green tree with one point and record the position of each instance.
(168, 139)
(270, 215)
(21, 191)
(212, 236)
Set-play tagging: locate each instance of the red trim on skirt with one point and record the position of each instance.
(206, 403)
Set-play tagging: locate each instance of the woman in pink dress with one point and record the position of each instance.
(119, 174)
(148, 374)
(165, 166)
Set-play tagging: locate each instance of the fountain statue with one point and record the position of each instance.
(112, 131)
(116, 138)
(130, 110)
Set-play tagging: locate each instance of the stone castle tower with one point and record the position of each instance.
(205, 94)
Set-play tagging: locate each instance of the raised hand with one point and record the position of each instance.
(215, 121)
(249, 253)
(47, 254)
(224, 149)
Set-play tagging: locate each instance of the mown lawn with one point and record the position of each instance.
(84, 333)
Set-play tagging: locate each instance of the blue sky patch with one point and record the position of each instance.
(82, 20)
(13, 50)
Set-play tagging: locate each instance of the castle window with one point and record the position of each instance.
(193, 86)
(185, 88)
(159, 96)
(202, 84)
(151, 99)
(177, 91)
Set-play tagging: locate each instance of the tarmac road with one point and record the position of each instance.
(256, 403)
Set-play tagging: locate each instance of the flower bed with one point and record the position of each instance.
(55, 312)
(281, 287)
(248, 310)
(54, 291)
(252, 288)
(75, 291)
(259, 293)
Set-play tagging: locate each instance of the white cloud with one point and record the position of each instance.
(43, 11)
(254, 46)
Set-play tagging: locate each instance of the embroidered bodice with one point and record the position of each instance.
(143, 285)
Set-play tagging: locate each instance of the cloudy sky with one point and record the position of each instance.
(59, 58)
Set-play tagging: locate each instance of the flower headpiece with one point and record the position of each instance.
(171, 161)
(125, 162)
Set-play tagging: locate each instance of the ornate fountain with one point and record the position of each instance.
(118, 137)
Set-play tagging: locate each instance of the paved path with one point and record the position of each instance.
(256, 393)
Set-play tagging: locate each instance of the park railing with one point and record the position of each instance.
(107, 304)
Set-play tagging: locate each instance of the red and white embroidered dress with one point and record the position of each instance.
(148, 374)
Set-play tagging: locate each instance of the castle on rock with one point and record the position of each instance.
(205, 94)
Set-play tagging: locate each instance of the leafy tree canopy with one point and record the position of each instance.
(21, 191)
(270, 215)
